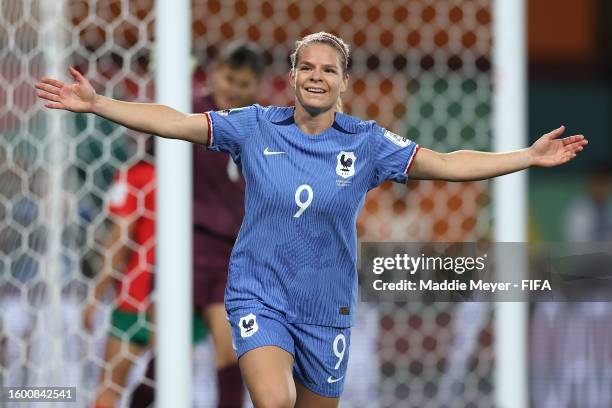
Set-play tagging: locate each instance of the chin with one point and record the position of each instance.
(316, 109)
(317, 106)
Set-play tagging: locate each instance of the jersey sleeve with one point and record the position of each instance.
(122, 200)
(393, 156)
(229, 129)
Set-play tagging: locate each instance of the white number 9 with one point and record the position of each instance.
(303, 204)
(339, 353)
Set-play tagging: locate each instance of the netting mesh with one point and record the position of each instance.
(420, 68)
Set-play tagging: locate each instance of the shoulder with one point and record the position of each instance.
(355, 125)
(244, 110)
(275, 114)
(376, 133)
(246, 114)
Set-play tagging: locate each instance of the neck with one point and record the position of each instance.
(312, 123)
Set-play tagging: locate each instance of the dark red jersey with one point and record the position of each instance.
(218, 186)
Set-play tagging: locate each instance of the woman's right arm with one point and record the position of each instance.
(151, 118)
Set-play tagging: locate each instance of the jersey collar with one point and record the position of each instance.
(342, 123)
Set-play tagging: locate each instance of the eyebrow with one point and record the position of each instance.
(324, 65)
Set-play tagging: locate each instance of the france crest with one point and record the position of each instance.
(346, 164)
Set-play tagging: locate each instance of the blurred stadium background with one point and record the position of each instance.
(420, 67)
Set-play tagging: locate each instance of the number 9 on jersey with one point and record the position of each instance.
(303, 205)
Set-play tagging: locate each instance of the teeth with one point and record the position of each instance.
(315, 90)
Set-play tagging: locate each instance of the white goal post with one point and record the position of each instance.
(510, 195)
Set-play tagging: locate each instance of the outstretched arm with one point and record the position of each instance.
(469, 165)
(151, 118)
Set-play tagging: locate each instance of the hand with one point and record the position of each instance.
(88, 316)
(548, 151)
(78, 97)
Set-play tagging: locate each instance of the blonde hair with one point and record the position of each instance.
(339, 105)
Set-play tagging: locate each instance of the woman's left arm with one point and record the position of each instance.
(469, 165)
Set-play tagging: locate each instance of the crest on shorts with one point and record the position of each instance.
(346, 164)
(248, 325)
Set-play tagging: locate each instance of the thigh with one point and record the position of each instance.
(264, 347)
(267, 373)
(321, 359)
(308, 399)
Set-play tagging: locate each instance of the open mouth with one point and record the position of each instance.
(315, 91)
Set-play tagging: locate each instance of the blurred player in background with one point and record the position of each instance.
(130, 243)
(129, 264)
(218, 192)
(291, 293)
(219, 208)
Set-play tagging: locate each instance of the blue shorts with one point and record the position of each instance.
(320, 353)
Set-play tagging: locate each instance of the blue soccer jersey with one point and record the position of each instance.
(296, 250)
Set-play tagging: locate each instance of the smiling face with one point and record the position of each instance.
(318, 78)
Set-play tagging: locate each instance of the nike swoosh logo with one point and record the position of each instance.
(269, 153)
(331, 380)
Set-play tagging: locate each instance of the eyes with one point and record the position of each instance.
(307, 68)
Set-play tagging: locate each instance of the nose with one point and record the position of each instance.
(316, 74)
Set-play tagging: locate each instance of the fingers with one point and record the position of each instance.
(574, 148)
(556, 133)
(574, 139)
(567, 157)
(49, 96)
(52, 89)
(574, 144)
(76, 75)
(55, 105)
(53, 82)
(55, 100)
(571, 150)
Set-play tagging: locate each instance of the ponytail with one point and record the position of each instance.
(339, 105)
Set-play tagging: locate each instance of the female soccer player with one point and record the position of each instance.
(291, 290)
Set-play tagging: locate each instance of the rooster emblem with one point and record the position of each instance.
(346, 164)
(248, 325)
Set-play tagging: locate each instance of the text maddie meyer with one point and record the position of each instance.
(456, 285)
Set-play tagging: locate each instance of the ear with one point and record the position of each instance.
(344, 84)
(291, 77)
